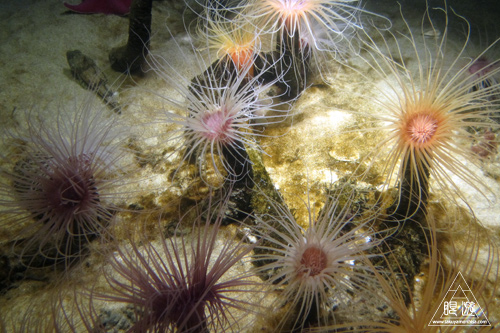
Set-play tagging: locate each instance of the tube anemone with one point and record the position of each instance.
(315, 267)
(305, 30)
(470, 260)
(479, 69)
(286, 19)
(218, 115)
(58, 186)
(235, 43)
(429, 112)
(183, 284)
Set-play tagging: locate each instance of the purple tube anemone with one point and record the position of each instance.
(58, 182)
(182, 284)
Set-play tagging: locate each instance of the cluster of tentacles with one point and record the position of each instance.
(381, 257)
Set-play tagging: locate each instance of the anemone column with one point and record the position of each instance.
(413, 190)
(294, 56)
(129, 57)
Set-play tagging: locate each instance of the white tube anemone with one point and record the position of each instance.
(318, 266)
(217, 112)
(315, 30)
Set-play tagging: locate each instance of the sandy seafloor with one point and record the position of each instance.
(302, 154)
